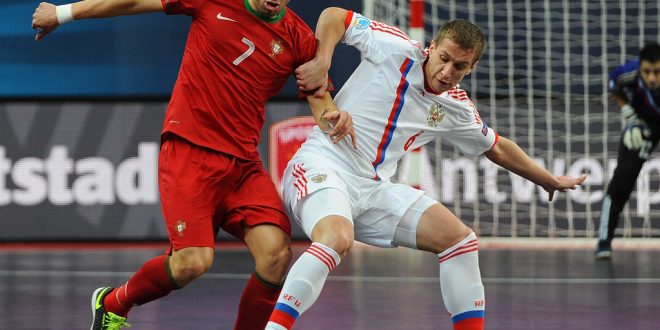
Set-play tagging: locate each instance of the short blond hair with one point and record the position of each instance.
(465, 34)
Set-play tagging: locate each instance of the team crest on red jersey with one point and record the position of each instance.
(436, 114)
(276, 47)
(180, 227)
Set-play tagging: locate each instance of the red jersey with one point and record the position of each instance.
(234, 61)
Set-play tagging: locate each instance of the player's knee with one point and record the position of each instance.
(190, 273)
(190, 266)
(272, 265)
(337, 235)
(281, 259)
(453, 237)
(343, 245)
(340, 242)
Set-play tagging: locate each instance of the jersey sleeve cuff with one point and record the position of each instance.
(348, 19)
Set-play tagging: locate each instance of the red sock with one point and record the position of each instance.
(474, 323)
(150, 282)
(257, 302)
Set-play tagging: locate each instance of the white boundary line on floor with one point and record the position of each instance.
(566, 243)
(379, 279)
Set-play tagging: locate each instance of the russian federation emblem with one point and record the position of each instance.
(319, 178)
(436, 114)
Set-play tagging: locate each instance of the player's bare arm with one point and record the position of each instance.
(509, 155)
(47, 17)
(336, 123)
(330, 30)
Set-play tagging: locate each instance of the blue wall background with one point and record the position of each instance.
(123, 57)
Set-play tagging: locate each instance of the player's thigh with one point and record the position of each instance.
(439, 229)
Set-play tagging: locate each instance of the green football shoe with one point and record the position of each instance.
(104, 320)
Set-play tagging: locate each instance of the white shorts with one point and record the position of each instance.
(376, 207)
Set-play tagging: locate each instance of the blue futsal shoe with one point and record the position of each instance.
(604, 250)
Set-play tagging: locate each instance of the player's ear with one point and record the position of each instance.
(432, 45)
(474, 65)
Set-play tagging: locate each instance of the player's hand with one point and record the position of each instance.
(564, 183)
(635, 136)
(44, 20)
(341, 123)
(313, 75)
(636, 132)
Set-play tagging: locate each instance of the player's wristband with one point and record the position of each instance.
(64, 13)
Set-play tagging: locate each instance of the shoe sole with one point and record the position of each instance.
(604, 255)
(94, 296)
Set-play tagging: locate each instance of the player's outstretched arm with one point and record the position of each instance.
(330, 29)
(509, 155)
(47, 17)
(336, 123)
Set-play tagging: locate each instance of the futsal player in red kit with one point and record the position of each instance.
(239, 54)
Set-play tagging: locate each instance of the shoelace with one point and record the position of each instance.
(113, 322)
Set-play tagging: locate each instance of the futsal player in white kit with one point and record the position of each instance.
(401, 97)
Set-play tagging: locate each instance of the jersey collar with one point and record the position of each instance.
(261, 17)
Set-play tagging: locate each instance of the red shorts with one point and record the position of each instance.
(203, 190)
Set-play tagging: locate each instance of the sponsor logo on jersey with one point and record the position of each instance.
(180, 227)
(225, 18)
(361, 23)
(436, 114)
(484, 129)
(319, 178)
(276, 47)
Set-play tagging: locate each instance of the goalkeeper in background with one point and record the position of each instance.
(635, 87)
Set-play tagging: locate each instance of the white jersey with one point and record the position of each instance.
(393, 113)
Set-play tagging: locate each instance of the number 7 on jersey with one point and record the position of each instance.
(247, 52)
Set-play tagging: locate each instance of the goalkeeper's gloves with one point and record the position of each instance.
(636, 132)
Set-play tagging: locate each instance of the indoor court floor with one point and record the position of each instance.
(528, 286)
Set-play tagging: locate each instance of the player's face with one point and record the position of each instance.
(448, 63)
(269, 8)
(650, 74)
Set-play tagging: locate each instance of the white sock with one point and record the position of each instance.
(303, 285)
(460, 280)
